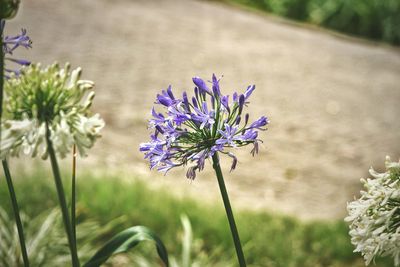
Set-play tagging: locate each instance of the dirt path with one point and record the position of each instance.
(333, 102)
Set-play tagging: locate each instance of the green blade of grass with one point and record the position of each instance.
(124, 241)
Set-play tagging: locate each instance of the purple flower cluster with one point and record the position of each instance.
(193, 129)
(10, 43)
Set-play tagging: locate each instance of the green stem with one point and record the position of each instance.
(73, 204)
(1, 77)
(61, 198)
(228, 209)
(16, 213)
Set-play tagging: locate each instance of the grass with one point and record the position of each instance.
(269, 239)
(373, 19)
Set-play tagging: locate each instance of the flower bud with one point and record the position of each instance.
(241, 103)
(8, 8)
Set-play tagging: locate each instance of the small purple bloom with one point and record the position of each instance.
(203, 116)
(246, 118)
(238, 119)
(249, 135)
(191, 173)
(158, 157)
(158, 118)
(177, 114)
(201, 85)
(225, 102)
(259, 123)
(166, 98)
(234, 161)
(215, 87)
(171, 133)
(165, 166)
(194, 101)
(200, 158)
(249, 90)
(235, 97)
(186, 101)
(11, 43)
(228, 136)
(21, 62)
(255, 149)
(241, 103)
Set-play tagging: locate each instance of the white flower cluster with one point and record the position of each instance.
(375, 217)
(52, 97)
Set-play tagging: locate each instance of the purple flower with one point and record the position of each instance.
(191, 172)
(249, 135)
(249, 90)
(186, 101)
(158, 118)
(166, 98)
(228, 136)
(201, 85)
(10, 44)
(165, 166)
(215, 87)
(259, 123)
(203, 116)
(177, 114)
(255, 148)
(188, 132)
(241, 103)
(225, 102)
(234, 161)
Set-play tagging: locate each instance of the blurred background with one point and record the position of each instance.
(326, 75)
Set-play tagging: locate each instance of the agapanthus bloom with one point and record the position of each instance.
(53, 97)
(10, 44)
(190, 130)
(375, 217)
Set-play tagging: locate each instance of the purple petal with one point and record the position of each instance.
(249, 90)
(200, 84)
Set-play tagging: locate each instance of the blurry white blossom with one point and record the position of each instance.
(53, 97)
(375, 217)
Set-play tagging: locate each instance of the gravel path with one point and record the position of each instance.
(333, 101)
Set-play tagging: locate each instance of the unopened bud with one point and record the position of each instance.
(8, 8)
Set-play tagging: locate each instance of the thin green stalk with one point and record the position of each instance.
(73, 198)
(16, 213)
(7, 170)
(1, 77)
(61, 198)
(228, 209)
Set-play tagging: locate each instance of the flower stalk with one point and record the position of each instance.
(73, 192)
(16, 212)
(228, 209)
(6, 169)
(1, 74)
(62, 200)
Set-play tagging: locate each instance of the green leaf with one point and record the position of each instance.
(126, 240)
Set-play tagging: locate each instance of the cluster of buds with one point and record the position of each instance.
(194, 129)
(375, 217)
(51, 98)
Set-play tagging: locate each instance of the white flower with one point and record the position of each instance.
(51, 97)
(375, 217)
(13, 134)
(87, 131)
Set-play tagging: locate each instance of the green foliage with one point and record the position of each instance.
(268, 239)
(45, 239)
(374, 19)
(125, 241)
